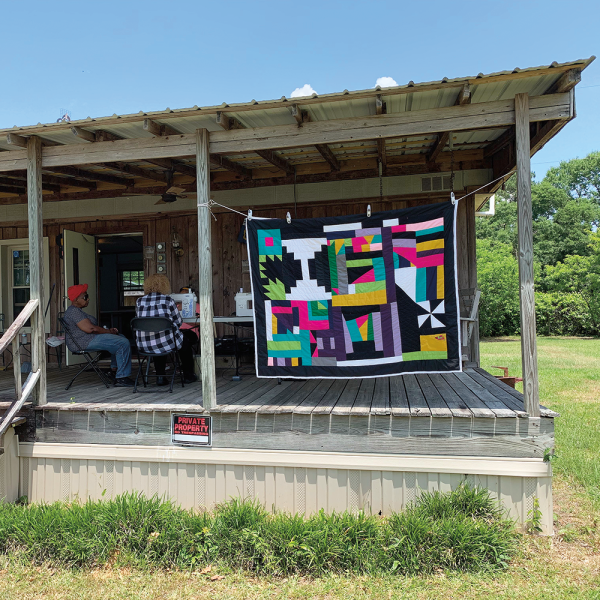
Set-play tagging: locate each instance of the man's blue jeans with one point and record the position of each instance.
(119, 348)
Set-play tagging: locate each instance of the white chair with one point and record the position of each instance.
(469, 305)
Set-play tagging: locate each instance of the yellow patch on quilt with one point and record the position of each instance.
(435, 343)
(431, 245)
(273, 324)
(440, 282)
(294, 361)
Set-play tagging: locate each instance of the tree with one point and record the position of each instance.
(578, 177)
(580, 275)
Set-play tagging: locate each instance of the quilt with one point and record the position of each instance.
(354, 297)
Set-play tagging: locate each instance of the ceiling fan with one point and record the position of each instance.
(171, 195)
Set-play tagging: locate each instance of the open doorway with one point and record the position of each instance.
(120, 279)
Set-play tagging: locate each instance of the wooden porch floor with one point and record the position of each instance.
(473, 393)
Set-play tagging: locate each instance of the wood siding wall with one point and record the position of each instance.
(228, 253)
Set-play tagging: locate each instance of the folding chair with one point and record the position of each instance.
(469, 306)
(91, 362)
(154, 325)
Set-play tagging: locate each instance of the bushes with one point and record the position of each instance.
(562, 313)
(462, 530)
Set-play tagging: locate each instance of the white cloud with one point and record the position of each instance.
(305, 90)
(385, 82)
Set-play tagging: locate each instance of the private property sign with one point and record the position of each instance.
(191, 430)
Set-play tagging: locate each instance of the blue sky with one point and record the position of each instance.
(99, 58)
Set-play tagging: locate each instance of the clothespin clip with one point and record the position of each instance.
(249, 213)
(452, 198)
(288, 218)
(368, 210)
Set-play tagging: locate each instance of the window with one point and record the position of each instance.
(132, 287)
(21, 280)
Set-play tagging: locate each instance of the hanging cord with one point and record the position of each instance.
(483, 186)
(295, 197)
(380, 179)
(211, 203)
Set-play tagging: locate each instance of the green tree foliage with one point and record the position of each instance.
(579, 177)
(580, 275)
(498, 280)
(566, 214)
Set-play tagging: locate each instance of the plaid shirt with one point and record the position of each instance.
(157, 305)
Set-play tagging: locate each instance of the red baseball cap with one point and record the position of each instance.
(76, 290)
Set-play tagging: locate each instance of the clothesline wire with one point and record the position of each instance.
(211, 202)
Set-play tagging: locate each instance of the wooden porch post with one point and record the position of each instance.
(205, 291)
(525, 231)
(36, 261)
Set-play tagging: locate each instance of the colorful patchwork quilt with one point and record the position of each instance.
(349, 297)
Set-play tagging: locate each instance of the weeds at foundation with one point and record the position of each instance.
(458, 531)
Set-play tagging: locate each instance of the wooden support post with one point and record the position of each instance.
(207, 343)
(525, 232)
(36, 262)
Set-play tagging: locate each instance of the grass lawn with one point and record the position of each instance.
(565, 566)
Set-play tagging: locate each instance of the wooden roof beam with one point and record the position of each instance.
(464, 96)
(381, 109)
(55, 181)
(91, 175)
(136, 171)
(499, 143)
(329, 156)
(158, 130)
(20, 141)
(167, 164)
(227, 123)
(439, 146)
(11, 189)
(566, 82)
(220, 161)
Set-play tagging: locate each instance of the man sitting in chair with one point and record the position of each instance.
(84, 328)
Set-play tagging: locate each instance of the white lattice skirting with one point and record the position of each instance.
(298, 482)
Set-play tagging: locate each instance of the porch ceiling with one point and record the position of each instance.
(418, 153)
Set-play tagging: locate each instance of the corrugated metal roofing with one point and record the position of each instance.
(409, 97)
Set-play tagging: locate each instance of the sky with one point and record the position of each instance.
(99, 58)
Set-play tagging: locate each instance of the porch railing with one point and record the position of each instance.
(22, 390)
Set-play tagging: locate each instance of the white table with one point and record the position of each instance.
(236, 322)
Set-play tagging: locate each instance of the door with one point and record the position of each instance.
(80, 267)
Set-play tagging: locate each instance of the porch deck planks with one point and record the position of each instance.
(473, 393)
(492, 402)
(436, 403)
(398, 398)
(346, 400)
(416, 400)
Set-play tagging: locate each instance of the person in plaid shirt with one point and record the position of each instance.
(158, 303)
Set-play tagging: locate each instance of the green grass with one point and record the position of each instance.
(458, 531)
(564, 567)
(569, 375)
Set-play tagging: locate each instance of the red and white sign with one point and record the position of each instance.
(191, 430)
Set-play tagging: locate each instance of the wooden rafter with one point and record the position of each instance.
(566, 82)
(228, 123)
(464, 96)
(366, 168)
(501, 142)
(55, 181)
(439, 145)
(91, 175)
(157, 129)
(167, 164)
